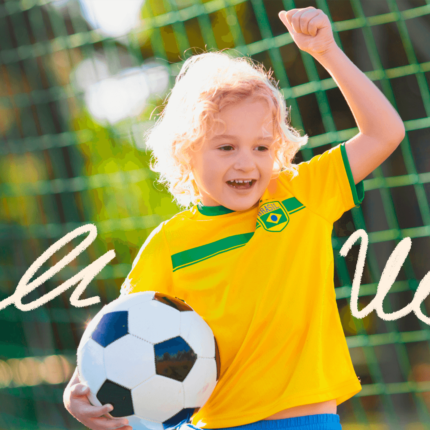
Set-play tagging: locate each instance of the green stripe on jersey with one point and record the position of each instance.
(292, 205)
(200, 253)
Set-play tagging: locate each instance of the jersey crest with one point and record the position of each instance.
(273, 216)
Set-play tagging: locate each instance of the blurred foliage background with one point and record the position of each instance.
(81, 81)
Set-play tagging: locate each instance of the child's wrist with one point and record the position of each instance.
(331, 57)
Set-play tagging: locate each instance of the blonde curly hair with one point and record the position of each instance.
(206, 84)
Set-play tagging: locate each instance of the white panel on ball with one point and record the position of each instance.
(138, 423)
(90, 328)
(197, 334)
(158, 399)
(200, 382)
(140, 364)
(123, 303)
(154, 321)
(93, 399)
(91, 366)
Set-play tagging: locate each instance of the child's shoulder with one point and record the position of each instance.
(180, 217)
(176, 222)
(299, 178)
(162, 234)
(319, 164)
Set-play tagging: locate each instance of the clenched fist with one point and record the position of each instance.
(310, 29)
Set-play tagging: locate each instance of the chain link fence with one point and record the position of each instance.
(81, 81)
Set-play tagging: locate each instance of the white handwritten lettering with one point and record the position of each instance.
(389, 275)
(85, 276)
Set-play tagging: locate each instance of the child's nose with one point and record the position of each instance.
(245, 161)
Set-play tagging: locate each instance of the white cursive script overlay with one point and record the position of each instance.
(85, 276)
(389, 275)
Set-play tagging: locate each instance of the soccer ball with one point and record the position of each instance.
(152, 357)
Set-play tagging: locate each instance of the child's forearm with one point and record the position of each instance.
(373, 113)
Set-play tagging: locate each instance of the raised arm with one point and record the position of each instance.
(381, 128)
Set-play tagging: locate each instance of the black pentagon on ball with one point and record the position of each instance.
(118, 396)
(174, 302)
(111, 327)
(185, 414)
(174, 358)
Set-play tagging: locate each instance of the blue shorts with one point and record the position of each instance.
(308, 422)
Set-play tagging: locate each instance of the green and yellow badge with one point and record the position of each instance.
(273, 216)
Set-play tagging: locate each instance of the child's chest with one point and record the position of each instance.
(224, 261)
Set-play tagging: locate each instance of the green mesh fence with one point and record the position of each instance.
(77, 91)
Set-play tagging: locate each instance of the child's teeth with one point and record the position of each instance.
(238, 182)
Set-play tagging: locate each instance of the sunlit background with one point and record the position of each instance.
(81, 81)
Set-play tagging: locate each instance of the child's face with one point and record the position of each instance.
(236, 153)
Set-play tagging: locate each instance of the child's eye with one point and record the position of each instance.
(229, 148)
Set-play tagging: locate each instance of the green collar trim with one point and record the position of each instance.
(213, 210)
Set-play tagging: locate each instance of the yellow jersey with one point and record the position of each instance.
(263, 280)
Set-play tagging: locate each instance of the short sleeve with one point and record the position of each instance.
(152, 268)
(325, 184)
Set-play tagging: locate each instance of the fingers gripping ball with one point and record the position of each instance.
(152, 357)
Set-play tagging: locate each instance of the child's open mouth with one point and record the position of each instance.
(246, 185)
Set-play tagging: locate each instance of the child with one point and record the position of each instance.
(255, 260)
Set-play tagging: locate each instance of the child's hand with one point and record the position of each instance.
(310, 29)
(77, 404)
